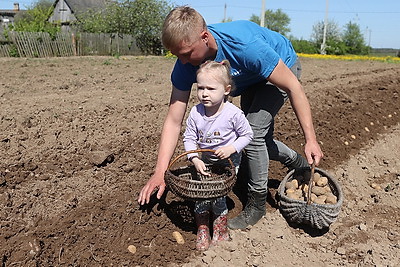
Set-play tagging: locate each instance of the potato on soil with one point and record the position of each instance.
(178, 237)
(376, 186)
(132, 249)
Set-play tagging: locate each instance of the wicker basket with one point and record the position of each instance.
(305, 212)
(187, 183)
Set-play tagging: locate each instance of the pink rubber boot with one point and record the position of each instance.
(220, 229)
(203, 231)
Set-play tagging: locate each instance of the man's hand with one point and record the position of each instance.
(156, 182)
(225, 152)
(313, 152)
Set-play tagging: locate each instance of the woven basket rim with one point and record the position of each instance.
(281, 188)
(200, 189)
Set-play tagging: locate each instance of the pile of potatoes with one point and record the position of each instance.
(321, 193)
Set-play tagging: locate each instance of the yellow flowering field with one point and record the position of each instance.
(390, 59)
(353, 57)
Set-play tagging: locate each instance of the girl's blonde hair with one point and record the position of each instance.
(224, 67)
(181, 24)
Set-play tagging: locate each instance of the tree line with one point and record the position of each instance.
(143, 19)
(348, 41)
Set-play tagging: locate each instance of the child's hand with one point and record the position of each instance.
(200, 166)
(225, 152)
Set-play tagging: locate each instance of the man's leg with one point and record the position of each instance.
(261, 103)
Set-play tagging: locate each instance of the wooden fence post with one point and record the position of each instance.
(74, 44)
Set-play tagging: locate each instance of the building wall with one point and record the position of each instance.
(6, 18)
(62, 13)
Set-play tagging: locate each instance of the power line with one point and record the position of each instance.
(320, 11)
(344, 12)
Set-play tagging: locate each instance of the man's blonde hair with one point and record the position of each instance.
(181, 24)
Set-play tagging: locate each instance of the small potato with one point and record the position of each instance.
(304, 188)
(317, 177)
(331, 199)
(293, 196)
(292, 184)
(318, 190)
(313, 197)
(327, 189)
(320, 199)
(289, 185)
(376, 186)
(132, 249)
(323, 181)
(295, 183)
(178, 237)
(299, 192)
(290, 191)
(329, 194)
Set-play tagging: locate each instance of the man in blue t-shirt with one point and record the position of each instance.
(265, 69)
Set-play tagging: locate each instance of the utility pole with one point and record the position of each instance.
(262, 19)
(369, 38)
(323, 45)
(225, 13)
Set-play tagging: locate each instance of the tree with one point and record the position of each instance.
(255, 19)
(333, 35)
(141, 18)
(274, 20)
(354, 40)
(34, 19)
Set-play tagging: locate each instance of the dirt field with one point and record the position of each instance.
(79, 138)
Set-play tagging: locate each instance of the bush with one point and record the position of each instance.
(304, 46)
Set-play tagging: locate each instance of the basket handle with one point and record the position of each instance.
(310, 183)
(196, 151)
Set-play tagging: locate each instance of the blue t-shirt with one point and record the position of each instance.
(252, 51)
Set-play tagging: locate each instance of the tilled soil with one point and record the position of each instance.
(79, 139)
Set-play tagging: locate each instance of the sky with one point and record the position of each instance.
(379, 21)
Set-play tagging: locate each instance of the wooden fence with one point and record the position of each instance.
(39, 44)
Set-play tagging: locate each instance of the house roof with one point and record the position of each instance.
(9, 12)
(80, 6)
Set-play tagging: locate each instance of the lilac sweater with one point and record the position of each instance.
(229, 127)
